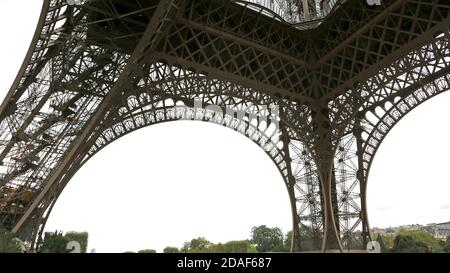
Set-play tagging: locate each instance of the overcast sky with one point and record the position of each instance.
(169, 183)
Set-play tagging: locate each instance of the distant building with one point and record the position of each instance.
(411, 227)
(390, 230)
(376, 230)
(440, 230)
(383, 231)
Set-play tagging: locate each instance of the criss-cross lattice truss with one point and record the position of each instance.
(317, 90)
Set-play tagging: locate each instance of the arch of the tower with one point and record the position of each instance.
(87, 81)
(407, 90)
(74, 118)
(93, 72)
(207, 100)
(376, 124)
(382, 101)
(362, 116)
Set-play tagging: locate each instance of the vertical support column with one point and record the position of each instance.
(33, 230)
(331, 240)
(44, 217)
(30, 230)
(362, 177)
(325, 158)
(296, 240)
(334, 196)
(305, 6)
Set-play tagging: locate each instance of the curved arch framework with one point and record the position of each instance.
(402, 95)
(97, 71)
(261, 124)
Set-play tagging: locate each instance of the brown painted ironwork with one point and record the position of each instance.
(340, 73)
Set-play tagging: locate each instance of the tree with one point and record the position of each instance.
(215, 248)
(311, 240)
(80, 237)
(236, 246)
(423, 237)
(243, 246)
(8, 244)
(147, 251)
(287, 242)
(267, 239)
(407, 244)
(171, 249)
(381, 242)
(388, 240)
(251, 248)
(199, 244)
(446, 247)
(54, 242)
(307, 238)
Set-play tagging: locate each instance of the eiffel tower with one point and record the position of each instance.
(333, 76)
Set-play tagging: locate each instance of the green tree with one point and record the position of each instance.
(423, 237)
(380, 240)
(388, 240)
(196, 245)
(407, 244)
(215, 248)
(199, 243)
(147, 251)
(251, 248)
(267, 239)
(8, 244)
(237, 246)
(54, 242)
(287, 242)
(243, 246)
(171, 249)
(80, 237)
(310, 239)
(446, 246)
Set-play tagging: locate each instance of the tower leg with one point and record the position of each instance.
(331, 240)
(362, 177)
(324, 153)
(296, 240)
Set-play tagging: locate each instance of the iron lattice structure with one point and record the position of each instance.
(339, 74)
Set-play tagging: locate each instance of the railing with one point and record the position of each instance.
(279, 9)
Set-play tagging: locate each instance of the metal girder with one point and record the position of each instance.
(103, 69)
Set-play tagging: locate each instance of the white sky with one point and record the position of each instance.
(169, 183)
